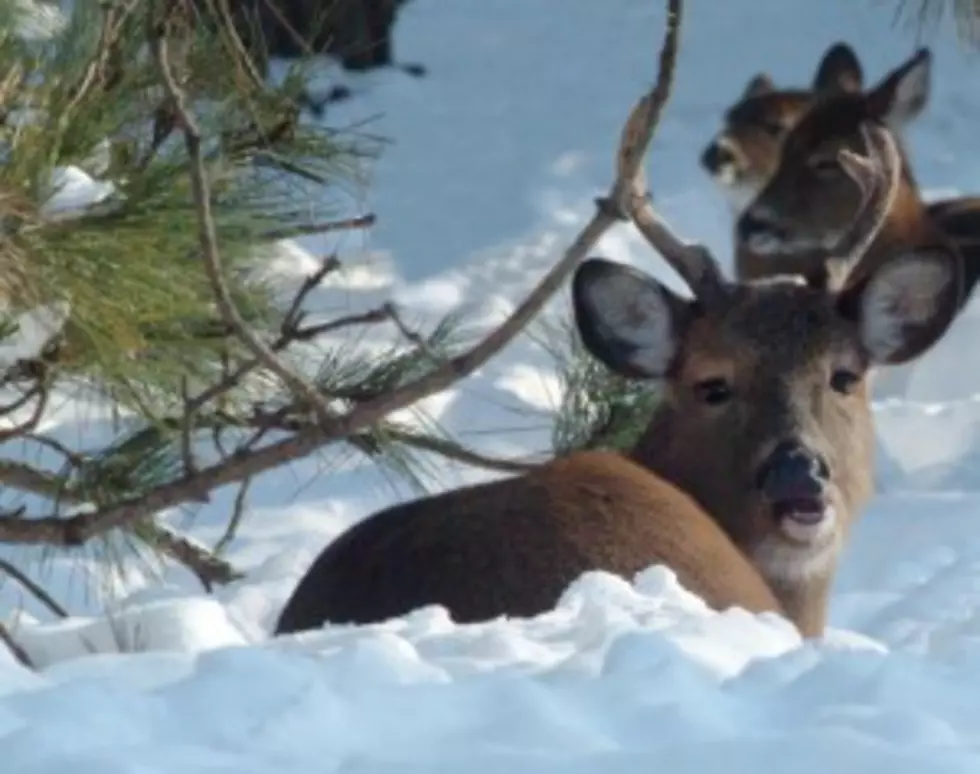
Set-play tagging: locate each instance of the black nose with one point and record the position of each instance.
(792, 472)
(716, 156)
(750, 224)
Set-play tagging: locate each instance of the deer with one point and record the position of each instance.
(743, 155)
(792, 224)
(746, 481)
(746, 153)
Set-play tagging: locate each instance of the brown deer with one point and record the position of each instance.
(794, 222)
(747, 479)
(746, 153)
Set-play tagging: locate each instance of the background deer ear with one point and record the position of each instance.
(758, 85)
(628, 320)
(904, 92)
(903, 308)
(839, 70)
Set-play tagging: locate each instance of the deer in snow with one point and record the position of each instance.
(794, 221)
(745, 154)
(746, 481)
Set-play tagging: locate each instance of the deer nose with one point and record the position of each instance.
(716, 156)
(754, 224)
(792, 472)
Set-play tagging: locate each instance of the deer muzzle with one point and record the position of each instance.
(794, 482)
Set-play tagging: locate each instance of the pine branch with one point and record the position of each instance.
(331, 426)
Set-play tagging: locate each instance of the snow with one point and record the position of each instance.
(496, 156)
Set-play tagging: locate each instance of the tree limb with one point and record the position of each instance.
(635, 140)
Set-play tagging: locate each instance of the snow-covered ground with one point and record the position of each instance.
(496, 156)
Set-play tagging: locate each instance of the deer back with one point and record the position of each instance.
(512, 546)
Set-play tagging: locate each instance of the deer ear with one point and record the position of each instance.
(758, 84)
(904, 92)
(839, 70)
(628, 320)
(903, 308)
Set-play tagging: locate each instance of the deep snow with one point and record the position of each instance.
(496, 156)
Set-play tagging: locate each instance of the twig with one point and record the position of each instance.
(391, 312)
(208, 237)
(454, 451)
(15, 648)
(237, 514)
(306, 229)
(40, 392)
(24, 580)
(186, 431)
(209, 568)
(114, 16)
(21, 476)
(635, 139)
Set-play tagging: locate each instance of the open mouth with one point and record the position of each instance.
(803, 518)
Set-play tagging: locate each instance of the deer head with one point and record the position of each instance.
(809, 202)
(765, 418)
(744, 155)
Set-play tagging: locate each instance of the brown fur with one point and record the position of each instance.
(474, 549)
(756, 126)
(778, 354)
(745, 153)
(809, 205)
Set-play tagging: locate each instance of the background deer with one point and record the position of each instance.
(745, 154)
(746, 481)
(795, 221)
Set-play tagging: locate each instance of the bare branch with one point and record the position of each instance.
(693, 262)
(237, 514)
(306, 229)
(18, 475)
(35, 590)
(38, 392)
(209, 568)
(15, 648)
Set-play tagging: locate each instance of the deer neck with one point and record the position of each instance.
(806, 603)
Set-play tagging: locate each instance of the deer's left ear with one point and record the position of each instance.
(904, 307)
(904, 92)
(759, 84)
(627, 320)
(839, 70)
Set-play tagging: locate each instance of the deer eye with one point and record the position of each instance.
(772, 128)
(713, 391)
(825, 166)
(844, 381)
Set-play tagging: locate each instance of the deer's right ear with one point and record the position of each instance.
(839, 70)
(758, 85)
(905, 306)
(628, 320)
(904, 92)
